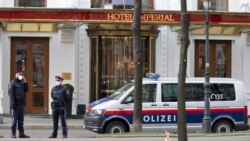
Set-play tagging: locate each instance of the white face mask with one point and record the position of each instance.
(58, 82)
(20, 77)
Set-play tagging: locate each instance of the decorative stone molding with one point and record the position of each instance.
(1, 107)
(67, 35)
(164, 51)
(83, 65)
(248, 39)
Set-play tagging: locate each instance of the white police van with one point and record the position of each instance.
(228, 107)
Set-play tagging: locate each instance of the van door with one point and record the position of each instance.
(194, 94)
(170, 105)
(150, 107)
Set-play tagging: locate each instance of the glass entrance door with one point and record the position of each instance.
(112, 62)
(31, 56)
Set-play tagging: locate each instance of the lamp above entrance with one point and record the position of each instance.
(207, 4)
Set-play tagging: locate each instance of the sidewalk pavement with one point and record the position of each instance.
(42, 123)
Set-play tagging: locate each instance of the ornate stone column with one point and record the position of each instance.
(1, 76)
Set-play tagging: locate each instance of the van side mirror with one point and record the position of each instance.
(129, 99)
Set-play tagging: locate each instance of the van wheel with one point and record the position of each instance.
(116, 127)
(222, 126)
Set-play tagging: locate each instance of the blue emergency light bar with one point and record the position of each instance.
(154, 76)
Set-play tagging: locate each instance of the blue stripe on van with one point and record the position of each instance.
(159, 116)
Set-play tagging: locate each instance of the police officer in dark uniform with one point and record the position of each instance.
(17, 89)
(59, 95)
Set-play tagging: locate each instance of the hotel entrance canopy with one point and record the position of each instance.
(45, 18)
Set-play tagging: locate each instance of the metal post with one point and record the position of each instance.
(207, 85)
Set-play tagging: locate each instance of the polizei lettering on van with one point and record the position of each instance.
(149, 116)
(159, 118)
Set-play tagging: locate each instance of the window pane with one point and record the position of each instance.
(198, 92)
(38, 65)
(149, 93)
(30, 3)
(21, 55)
(38, 99)
(195, 92)
(216, 5)
(223, 92)
(169, 92)
(100, 3)
(189, 92)
(201, 60)
(116, 62)
(220, 92)
(121, 4)
(219, 5)
(220, 60)
(112, 62)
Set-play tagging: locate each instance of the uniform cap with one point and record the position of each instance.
(58, 78)
(18, 71)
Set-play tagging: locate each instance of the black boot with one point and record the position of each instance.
(52, 136)
(23, 136)
(13, 135)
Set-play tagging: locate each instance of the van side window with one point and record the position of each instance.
(149, 92)
(169, 92)
(197, 92)
(193, 92)
(189, 92)
(222, 92)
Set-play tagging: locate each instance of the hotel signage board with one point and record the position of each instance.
(115, 16)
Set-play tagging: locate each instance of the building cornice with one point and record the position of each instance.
(104, 16)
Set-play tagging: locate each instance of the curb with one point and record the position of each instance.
(43, 122)
(46, 127)
(157, 134)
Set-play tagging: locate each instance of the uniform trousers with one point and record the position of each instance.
(59, 112)
(17, 116)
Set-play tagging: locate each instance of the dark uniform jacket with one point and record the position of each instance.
(17, 90)
(59, 94)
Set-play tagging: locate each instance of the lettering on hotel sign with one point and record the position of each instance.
(111, 16)
(147, 17)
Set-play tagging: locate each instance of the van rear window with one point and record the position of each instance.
(195, 92)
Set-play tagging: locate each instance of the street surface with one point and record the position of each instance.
(84, 135)
(47, 133)
(41, 128)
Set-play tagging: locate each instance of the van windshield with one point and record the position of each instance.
(120, 92)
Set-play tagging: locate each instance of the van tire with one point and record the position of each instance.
(115, 127)
(222, 126)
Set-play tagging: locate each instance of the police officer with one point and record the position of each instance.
(17, 89)
(59, 95)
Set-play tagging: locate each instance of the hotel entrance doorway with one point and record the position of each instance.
(31, 55)
(112, 62)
